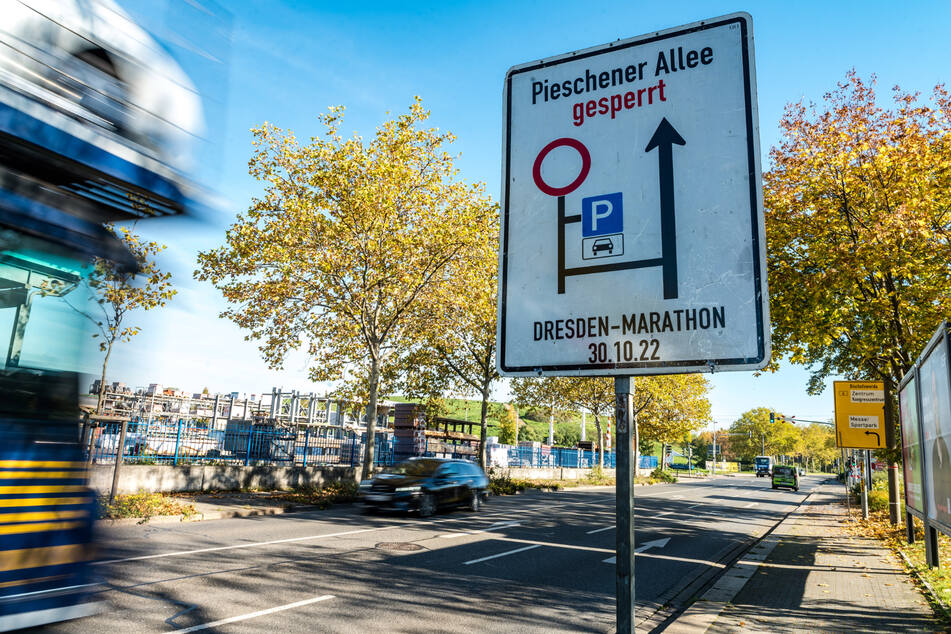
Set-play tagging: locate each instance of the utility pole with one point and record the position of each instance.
(764, 445)
(714, 472)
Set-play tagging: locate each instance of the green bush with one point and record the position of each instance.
(877, 500)
(663, 476)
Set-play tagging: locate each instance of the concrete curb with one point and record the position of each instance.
(205, 517)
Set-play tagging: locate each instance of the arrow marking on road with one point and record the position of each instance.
(657, 543)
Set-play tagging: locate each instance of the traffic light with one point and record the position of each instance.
(772, 418)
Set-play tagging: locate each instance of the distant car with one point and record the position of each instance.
(763, 466)
(602, 244)
(785, 477)
(425, 485)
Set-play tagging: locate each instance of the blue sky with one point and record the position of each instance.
(289, 61)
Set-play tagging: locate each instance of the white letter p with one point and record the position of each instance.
(595, 213)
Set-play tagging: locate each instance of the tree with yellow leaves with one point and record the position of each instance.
(346, 240)
(857, 225)
(456, 349)
(116, 291)
(858, 233)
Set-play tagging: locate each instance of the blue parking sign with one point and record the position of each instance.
(601, 215)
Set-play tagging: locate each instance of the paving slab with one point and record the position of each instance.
(811, 574)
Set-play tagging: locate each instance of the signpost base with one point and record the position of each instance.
(623, 415)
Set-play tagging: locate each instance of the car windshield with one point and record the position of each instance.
(783, 470)
(415, 467)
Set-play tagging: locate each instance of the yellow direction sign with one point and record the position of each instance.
(859, 414)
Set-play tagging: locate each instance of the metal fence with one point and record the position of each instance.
(178, 442)
(556, 457)
(183, 442)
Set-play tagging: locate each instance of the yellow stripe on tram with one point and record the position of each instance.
(16, 529)
(65, 488)
(46, 556)
(41, 464)
(23, 582)
(36, 516)
(42, 502)
(14, 475)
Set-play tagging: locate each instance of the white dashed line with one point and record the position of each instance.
(509, 552)
(252, 615)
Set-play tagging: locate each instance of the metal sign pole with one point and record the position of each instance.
(623, 407)
(864, 483)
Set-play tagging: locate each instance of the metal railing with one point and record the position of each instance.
(557, 457)
(186, 442)
(181, 442)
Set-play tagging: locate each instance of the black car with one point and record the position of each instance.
(425, 485)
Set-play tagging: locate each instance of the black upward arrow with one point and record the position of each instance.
(665, 136)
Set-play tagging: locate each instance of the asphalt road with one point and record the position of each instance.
(525, 563)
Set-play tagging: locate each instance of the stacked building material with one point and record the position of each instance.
(409, 431)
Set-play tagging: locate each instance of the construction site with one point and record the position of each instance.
(168, 426)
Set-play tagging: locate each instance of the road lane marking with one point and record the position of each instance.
(657, 543)
(510, 552)
(252, 615)
(179, 553)
(516, 540)
(751, 505)
(598, 530)
(495, 527)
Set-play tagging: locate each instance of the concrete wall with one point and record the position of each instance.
(168, 479)
(547, 473)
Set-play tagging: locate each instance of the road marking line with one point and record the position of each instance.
(179, 553)
(510, 552)
(495, 527)
(217, 548)
(252, 615)
(598, 530)
(751, 505)
(676, 497)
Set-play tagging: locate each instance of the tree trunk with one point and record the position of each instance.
(891, 441)
(102, 380)
(374, 386)
(597, 426)
(482, 426)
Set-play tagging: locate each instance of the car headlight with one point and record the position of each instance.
(408, 489)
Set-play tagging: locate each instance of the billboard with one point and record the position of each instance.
(935, 422)
(911, 445)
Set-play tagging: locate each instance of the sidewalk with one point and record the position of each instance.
(812, 575)
(223, 505)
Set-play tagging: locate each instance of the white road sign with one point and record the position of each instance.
(632, 238)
